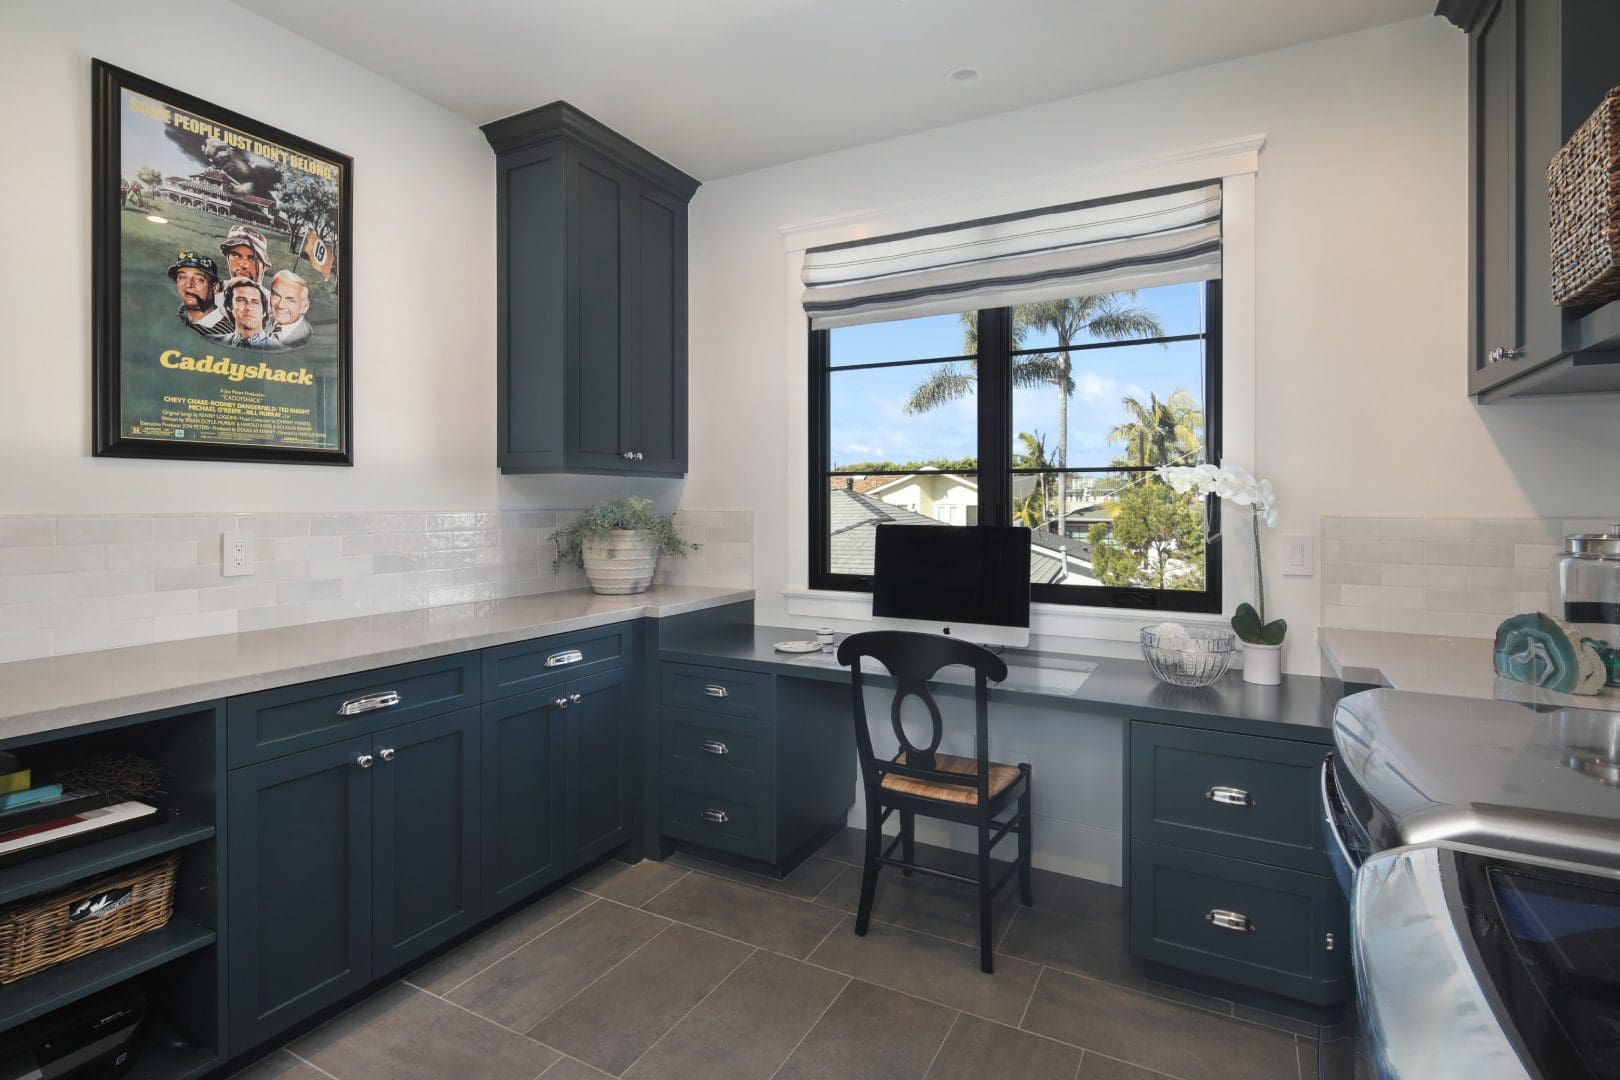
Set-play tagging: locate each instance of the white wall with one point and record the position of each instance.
(424, 189)
(1360, 303)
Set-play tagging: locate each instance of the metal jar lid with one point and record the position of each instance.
(1603, 545)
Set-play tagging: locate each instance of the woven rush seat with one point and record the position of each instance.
(1001, 778)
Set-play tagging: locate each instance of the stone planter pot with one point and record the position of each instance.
(622, 562)
(1262, 664)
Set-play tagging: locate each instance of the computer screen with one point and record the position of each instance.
(966, 581)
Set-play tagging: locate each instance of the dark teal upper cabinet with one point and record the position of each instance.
(1537, 69)
(591, 250)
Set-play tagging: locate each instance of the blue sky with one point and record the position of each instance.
(867, 418)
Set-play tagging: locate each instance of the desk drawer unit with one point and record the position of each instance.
(273, 723)
(716, 690)
(1275, 930)
(719, 815)
(1244, 796)
(530, 665)
(732, 749)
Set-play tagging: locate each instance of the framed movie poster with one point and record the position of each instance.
(221, 281)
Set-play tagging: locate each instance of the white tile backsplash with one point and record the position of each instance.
(1438, 575)
(76, 583)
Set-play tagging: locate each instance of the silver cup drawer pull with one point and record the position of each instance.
(716, 690)
(1229, 796)
(718, 817)
(369, 703)
(716, 747)
(1230, 920)
(564, 658)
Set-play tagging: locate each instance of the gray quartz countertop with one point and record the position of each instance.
(1435, 664)
(64, 691)
(1300, 708)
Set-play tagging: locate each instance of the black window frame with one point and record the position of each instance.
(995, 456)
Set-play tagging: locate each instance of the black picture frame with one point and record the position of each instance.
(108, 193)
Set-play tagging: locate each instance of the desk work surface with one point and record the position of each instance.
(1301, 708)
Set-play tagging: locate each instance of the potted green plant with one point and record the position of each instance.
(618, 543)
(1262, 640)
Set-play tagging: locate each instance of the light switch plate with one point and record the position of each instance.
(1298, 555)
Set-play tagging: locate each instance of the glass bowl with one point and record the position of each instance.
(1196, 660)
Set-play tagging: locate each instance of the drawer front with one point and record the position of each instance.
(530, 665)
(716, 690)
(732, 749)
(714, 815)
(1269, 929)
(273, 723)
(1239, 795)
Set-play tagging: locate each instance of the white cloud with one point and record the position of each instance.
(1093, 389)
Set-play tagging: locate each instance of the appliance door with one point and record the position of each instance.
(1425, 1010)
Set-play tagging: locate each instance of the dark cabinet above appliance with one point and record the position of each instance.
(591, 344)
(1536, 69)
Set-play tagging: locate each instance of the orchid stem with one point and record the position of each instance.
(1259, 570)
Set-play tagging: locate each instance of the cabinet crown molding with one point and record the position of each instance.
(559, 119)
(1463, 13)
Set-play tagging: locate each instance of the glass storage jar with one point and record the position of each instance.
(1588, 583)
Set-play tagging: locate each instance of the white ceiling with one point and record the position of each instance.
(719, 87)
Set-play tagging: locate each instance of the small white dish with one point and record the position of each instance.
(798, 646)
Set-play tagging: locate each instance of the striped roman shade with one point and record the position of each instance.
(1102, 245)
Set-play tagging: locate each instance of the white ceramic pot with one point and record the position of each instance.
(621, 562)
(1262, 664)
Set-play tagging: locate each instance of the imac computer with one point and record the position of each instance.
(966, 581)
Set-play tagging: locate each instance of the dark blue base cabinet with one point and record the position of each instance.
(1228, 888)
(349, 861)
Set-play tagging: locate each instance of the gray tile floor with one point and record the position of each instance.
(690, 971)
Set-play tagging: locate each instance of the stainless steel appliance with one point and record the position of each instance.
(1479, 842)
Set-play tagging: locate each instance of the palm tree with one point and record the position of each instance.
(1159, 432)
(1104, 317)
(1034, 456)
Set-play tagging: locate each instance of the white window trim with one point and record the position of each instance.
(1237, 164)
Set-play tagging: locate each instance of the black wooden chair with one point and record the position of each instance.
(919, 780)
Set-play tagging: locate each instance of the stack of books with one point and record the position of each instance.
(33, 818)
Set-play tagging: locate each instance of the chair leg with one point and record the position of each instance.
(908, 840)
(1026, 843)
(986, 964)
(869, 871)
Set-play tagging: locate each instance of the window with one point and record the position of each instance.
(1053, 415)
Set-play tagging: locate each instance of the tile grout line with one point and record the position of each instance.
(941, 1047)
(310, 1063)
(481, 1016)
(1080, 1066)
(723, 979)
(661, 932)
(1006, 930)
(685, 873)
(848, 981)
(520, 948)
(1032, 991)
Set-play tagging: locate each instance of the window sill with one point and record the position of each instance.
(1108, 629)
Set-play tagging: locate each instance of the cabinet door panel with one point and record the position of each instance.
(598, 312)
(299, 867)
(600, 744)
(425, 856)
(656, 380)
(521, 791)
(1497, 184)
(532, 256)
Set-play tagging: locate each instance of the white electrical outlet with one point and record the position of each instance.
(1299, 558)
(236, 554)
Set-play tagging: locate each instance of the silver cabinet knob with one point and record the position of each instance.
(364, 761)
(1230, 920)
(1495, 355)
(575, 699)
(386, 753)
(561, 703)
(629, 455)
(1330, 941)
(1229, 796)
(718, 817)
(639, 455)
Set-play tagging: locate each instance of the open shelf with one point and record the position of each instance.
(47, 990)
(54, 870)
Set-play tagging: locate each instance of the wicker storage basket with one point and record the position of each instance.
(1583, 194)
(91, 915)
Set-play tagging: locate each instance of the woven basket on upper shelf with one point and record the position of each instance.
(1583, 195)
(46, 930)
